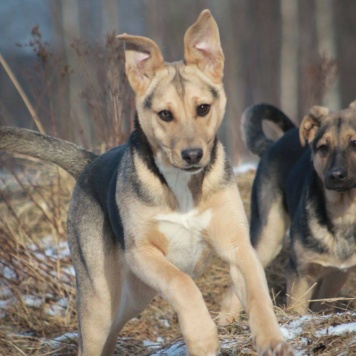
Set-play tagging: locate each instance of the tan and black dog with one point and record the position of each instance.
(306, 181)
(146, 216)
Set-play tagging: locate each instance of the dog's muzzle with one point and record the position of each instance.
(337, 179)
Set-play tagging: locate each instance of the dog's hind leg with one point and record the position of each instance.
(230, 307)
(268, 230)
(98, 279)
(108, 296)
(330, 286)
(104, 283)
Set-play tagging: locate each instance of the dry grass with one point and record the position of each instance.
(32, 215)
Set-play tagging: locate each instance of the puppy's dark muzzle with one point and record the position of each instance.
(337, 179)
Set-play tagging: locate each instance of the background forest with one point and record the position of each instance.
(68, 67)
(290, 53)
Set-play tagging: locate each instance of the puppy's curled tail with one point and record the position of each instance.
(252, 130)
(67, 155)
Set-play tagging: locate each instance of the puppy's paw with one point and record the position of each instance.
(204, 343)
(201, 348)
(278, 349)
(226, 319)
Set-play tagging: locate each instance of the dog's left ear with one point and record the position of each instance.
(142, 59)
(311, 123)
(202, 46)
(353, 105)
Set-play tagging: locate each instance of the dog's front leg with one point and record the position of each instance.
(198, 329)
(230, 240)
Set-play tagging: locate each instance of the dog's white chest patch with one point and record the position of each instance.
(178, 182)
(183, 232)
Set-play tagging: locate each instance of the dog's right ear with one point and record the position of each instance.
(202, 46)
(353, 105)
(311, 123)
(142, 59)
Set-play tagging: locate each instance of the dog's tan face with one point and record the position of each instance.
(332, 137)
(180, 105)
(181, 115)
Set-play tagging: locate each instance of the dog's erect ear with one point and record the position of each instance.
(202, 46)
(142, 59)
(353, 105)
(311, 123)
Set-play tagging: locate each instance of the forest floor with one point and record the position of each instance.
(37, 294)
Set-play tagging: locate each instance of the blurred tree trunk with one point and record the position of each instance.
(308, 59)
(110, 17)
(132, 17)
(345, 25)
(62, 96)
(289, 57)
(235, 16)
(66, 16)
(327, 47)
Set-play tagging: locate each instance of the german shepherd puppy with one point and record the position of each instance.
(306, 181)
(146, 216)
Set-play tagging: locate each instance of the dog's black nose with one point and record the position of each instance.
(337, 175)
(192, 155)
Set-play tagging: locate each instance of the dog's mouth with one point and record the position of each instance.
(340, 187)
(339, 180)
(193, 169)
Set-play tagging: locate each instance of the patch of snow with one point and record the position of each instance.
(9, 273)
(54, 310)
(54, 343)
(32, 301)
(294, 328)
(228, 344)
(58, 251)
(151, 344)
(63, 302)
(291, 331)
(243, 168)
(5, 292)
(178, 349)
(70, 270)
(165, 322)
(58, 308)
(337, 330)
(4, 304)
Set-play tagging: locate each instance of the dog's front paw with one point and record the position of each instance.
(204, 343)
(280, 348)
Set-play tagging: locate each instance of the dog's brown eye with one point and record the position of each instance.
(165, 115)
(323, 149)
(353, 144)
(203, 109)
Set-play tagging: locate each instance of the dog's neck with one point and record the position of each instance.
(186, 187)
(341, 206)
(140, 144)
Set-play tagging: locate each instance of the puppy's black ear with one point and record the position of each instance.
(202, 46)
(311, 123)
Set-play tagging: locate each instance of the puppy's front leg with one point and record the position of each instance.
(231, 241)
(198, 329)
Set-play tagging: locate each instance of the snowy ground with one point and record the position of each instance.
(293, 330)
(300, 332)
